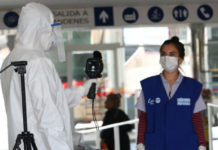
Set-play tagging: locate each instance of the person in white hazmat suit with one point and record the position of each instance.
(47, 101)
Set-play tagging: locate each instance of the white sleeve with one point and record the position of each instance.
(199, 105)
(140, 105)
(74, 95)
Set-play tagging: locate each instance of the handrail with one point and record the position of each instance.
(108, 126)
(116, 132)
(212, 104)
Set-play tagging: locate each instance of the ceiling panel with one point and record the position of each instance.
(90, 3)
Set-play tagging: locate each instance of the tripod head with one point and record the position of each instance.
(19, 63)
(20, 66)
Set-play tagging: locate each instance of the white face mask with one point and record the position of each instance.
(169, 63)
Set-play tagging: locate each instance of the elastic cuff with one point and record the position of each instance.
(81, 90)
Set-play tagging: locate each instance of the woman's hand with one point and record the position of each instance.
(140, 146)
(201, 147)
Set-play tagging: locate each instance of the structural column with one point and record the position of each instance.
(197, 35)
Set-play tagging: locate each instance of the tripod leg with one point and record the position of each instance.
(18, 142)
(28, 142)
(25, 143)
(33, 143)
(29, 145)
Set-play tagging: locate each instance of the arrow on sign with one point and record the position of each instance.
(103, 16)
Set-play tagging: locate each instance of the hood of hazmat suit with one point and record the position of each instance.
(48, 113)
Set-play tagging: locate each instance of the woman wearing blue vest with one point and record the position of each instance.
(170, 106)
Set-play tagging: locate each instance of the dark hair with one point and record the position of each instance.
(114, 99)
(175, 41)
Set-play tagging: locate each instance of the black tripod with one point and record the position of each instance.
(26, 136)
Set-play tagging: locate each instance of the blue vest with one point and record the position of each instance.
(169, 122)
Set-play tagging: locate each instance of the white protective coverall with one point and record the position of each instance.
(47, 101)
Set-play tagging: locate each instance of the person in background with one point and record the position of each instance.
(115, 115)
(170, 106)
(48, 103)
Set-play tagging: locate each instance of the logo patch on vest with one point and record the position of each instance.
(183, 101)
(157, 100)
(151, 101)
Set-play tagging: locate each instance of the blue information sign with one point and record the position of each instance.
(130, 15)
(205, 12)
(155, 14)
(180, 13)
(104, 16)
